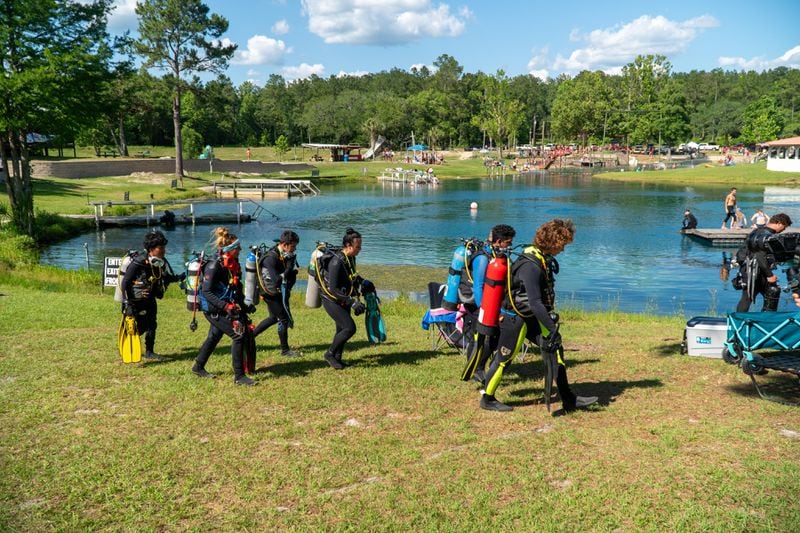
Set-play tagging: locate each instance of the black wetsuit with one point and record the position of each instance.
(142, 284)
(274, 271)
(338, 295)
(759, 257)
(533, 296)
(220, 286)
(466, 295)
(689, 221)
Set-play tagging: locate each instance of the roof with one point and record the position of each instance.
(331, 146)
(789, 141)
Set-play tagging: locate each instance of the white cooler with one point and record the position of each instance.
(705, 336)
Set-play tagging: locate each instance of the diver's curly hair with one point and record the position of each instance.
(554, 235)
(222, 237)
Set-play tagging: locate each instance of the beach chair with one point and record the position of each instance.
(776, 333)
(446, 331)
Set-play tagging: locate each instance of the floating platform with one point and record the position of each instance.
(719, 237)
(264, 188)
(144, 220)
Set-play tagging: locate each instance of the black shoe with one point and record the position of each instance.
(580, 402)
(150, 356)
(335, 363)
(490, 403)
(291, 353)
(201, 372)
(244, 380)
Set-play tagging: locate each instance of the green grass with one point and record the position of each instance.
(710, 174)
(394, 442)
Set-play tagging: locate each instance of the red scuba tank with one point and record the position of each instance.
(493, 291)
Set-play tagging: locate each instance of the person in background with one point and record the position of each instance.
(741, 220)
(689, 220)
(759, 218)
(759, 264)
(730, 208)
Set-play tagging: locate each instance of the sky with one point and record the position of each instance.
(298, 38)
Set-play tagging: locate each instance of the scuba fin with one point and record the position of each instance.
(285, 301)
(376, 328)
(130, 341)
(473, 358)
(121, 334)
(550, 360)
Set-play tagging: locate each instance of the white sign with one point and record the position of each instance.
(111, 271)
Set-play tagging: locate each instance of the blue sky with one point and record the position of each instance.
(297, 38)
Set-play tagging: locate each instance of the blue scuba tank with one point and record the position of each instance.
(479, 265)
(450, 299)
(250, 283)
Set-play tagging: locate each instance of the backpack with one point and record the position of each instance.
(320, 262)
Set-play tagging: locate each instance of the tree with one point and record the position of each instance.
(281, 146)
(174, 36)
(499, 115)
(762, 121)
(581, 106)
(53, 54)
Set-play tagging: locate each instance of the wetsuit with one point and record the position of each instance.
(758, 267)
(141, 285)
(689, 221)
(220, 287)
(470, 294)
(528, 314)
(277, 275)
(340, 287)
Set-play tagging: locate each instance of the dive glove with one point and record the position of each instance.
(129, 310)
(358, 308)
(552, 342)
(250, 309)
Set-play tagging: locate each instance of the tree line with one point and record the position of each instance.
(62, 75)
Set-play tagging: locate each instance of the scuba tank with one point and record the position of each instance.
(123, 268)
(450, 299)
(313, 297)
(250, 285)
(493, 291)
(193, 274)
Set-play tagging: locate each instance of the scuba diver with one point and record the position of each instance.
(470, 293)
(223, 306)
(146, 278)
(757, 269)
(277, 274)
(340, 284)
(528, 312)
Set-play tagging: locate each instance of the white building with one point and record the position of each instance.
(784, 155)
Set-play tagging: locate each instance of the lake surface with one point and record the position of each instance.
(628, 254)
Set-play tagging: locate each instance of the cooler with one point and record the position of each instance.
(705, 336)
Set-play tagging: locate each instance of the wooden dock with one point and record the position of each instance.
(719, 237)
(264, 188)
(113, 221)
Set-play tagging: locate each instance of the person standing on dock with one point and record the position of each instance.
(757, 270)
(730, 208)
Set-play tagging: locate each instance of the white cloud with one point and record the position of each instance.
(261, 50)
(791, 59)
(123, 17)
(302, 71)
(382, 23)
(537, 64)
(542, 74)
(610, 49)
(281, 27)
(354, 74)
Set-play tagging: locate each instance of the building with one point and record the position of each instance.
(784, 155)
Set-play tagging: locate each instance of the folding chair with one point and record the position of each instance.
(446, 323)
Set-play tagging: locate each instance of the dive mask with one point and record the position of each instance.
(156, 262)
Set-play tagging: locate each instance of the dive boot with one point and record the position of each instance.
(490, 403)
(244, 380)
(152, 356)
(201, 372)
(288, 352)
(331, 360)
(579, 403)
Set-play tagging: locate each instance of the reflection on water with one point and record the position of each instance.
(627, 254)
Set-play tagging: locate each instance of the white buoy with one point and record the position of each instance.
(473, 205)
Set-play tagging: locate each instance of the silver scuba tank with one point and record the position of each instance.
(250, 282)
(313, 297)
(119, 296)
(193, 282)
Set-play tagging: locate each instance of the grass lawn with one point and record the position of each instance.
(395, 442)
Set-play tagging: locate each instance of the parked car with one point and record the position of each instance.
(708, 147)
